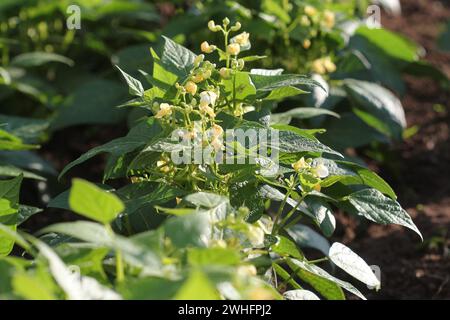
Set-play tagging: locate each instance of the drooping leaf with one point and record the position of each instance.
(137, 137)
(350, 262)
(326, 284)
(379, 107)
(373, 205)
(35, 59)
(304, 236)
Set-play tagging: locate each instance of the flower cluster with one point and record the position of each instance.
(318, 170)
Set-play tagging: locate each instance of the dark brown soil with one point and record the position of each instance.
(420, 174)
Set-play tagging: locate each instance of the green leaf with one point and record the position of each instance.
(304, 236)
(327, 285)
(300, 295)
(190, 230)
(91, 103)
(92, 202)
(9, 206)
(75, 286)
(285, 247)
(138, 136)
(323, 213)
(213, 256)
(392, 44)
(150, 288)
(10, 142)
(300, 113)
(285, 276)
(373, 205)
(276, 87)
(274, 7)
(29, 161)
(350, 173)
(134, 85)
(176, 58)
(267, 72)
(140, 200)
(197, 287)
(31, 287)
(28, 129)
(350, 132)
(132, 250)
(11, 171)
(353, 264)
(241, 85)
(35, 59)
(381, 109)
(25, 212)
(291, 142)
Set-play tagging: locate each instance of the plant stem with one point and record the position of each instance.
(290, 213)
(280, 211)
(120, 277)
(319, 260)
(120, 272)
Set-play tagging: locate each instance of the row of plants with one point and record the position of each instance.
(204, 229)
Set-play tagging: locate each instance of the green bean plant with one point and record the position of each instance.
(199, 215)
(361, 64)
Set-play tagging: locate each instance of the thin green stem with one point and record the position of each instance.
(318, 260)
(120, 270)
(290, 213)
(280, 211)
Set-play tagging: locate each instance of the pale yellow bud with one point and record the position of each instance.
(236, 27)
(212, 25)
(300, 164)
(191, 87)
(207, 74)
(225, 73)
(164, 110)
(318, 66)
(234, 49)
(306, 44)
(206, 47)
(160, 163)
(329, 65)
(165, 169)
(310, 11)
(198, 78)
(304, 21)
(199, 59)
(329, 19)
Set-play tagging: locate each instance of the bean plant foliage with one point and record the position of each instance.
(234, 224)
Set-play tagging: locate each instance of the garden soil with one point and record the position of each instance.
(420, 173)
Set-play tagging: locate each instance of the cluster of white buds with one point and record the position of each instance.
(320, 170)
